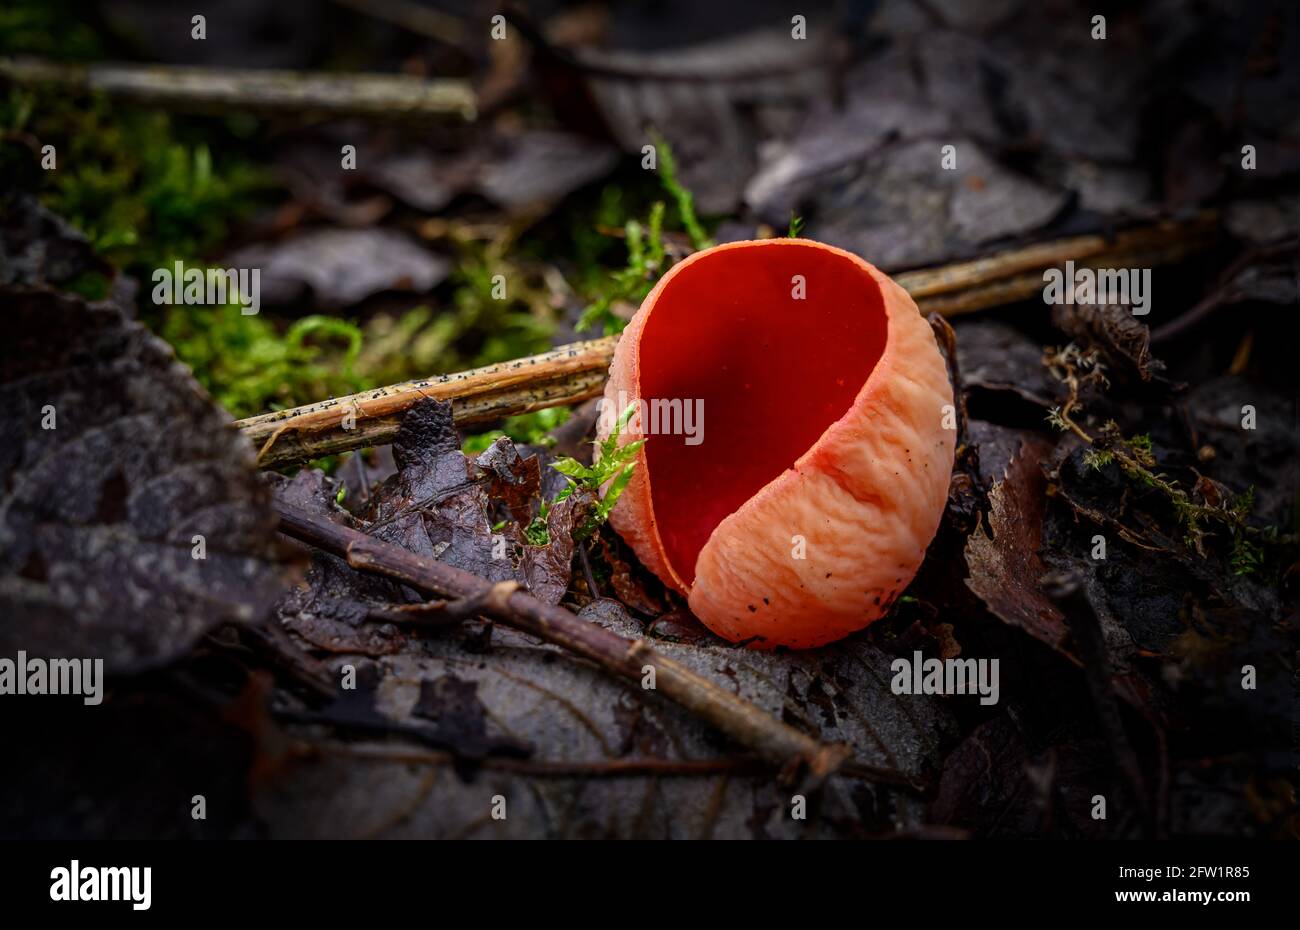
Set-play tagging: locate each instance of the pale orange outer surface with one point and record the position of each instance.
(865, 499)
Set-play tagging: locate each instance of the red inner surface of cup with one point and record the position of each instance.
(773, 373)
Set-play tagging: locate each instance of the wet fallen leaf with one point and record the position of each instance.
(998, 785)
(516, 481)
(37, 247)
(1121, 337)
(1005, 568)
(575, 715)
(134, 520)
(711, 100)
(341, 267)
(893, 206)
(999, 360)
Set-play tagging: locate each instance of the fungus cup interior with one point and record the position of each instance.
(773, 372)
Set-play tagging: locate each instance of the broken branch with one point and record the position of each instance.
(205, 89)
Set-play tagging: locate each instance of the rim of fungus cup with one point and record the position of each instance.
(789, 474)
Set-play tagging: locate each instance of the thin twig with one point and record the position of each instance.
(274, 643)
(208, 89)
(1002, 291)
(1225, 290)
(779, 743)
(959, 276)
(586, 570)
(562, 376)
(597, 768)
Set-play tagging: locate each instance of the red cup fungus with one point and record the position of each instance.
(801, 505)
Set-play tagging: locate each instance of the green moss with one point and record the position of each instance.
(488, 319)
(681, 196)
(1097, 459)
(55, 29)
(146, 191)
(89, 284)
(645, 263)
(1142, 444)
(142, 193)
(524, 429)
(1247, 557)
(611, 471)
(249, 367)
(644, 244)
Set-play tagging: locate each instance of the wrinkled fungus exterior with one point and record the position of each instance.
(806, 504)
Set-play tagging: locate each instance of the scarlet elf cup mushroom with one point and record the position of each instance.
(802, 505)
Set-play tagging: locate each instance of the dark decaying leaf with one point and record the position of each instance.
(334, 612)
(521, 172)
(998, 446)
(516, 481)
(418, 178)
(1005, 568)
(460, 719)
(1088, 108)
(538, 168)
(446, 715)
(571, 712)
(998, 360)
(436, 505)
(545, 569)
(863, 166)
(1000, 785)
(37, 247)
(113, 464)
(333, 607)
(340, 267)
(1067, 110)
(1266, 457)
(712, 101)
(893, 206)
(1123, 340)
(630, 582)
(884, 103)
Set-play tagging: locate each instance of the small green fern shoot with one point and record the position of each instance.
(612, 471)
